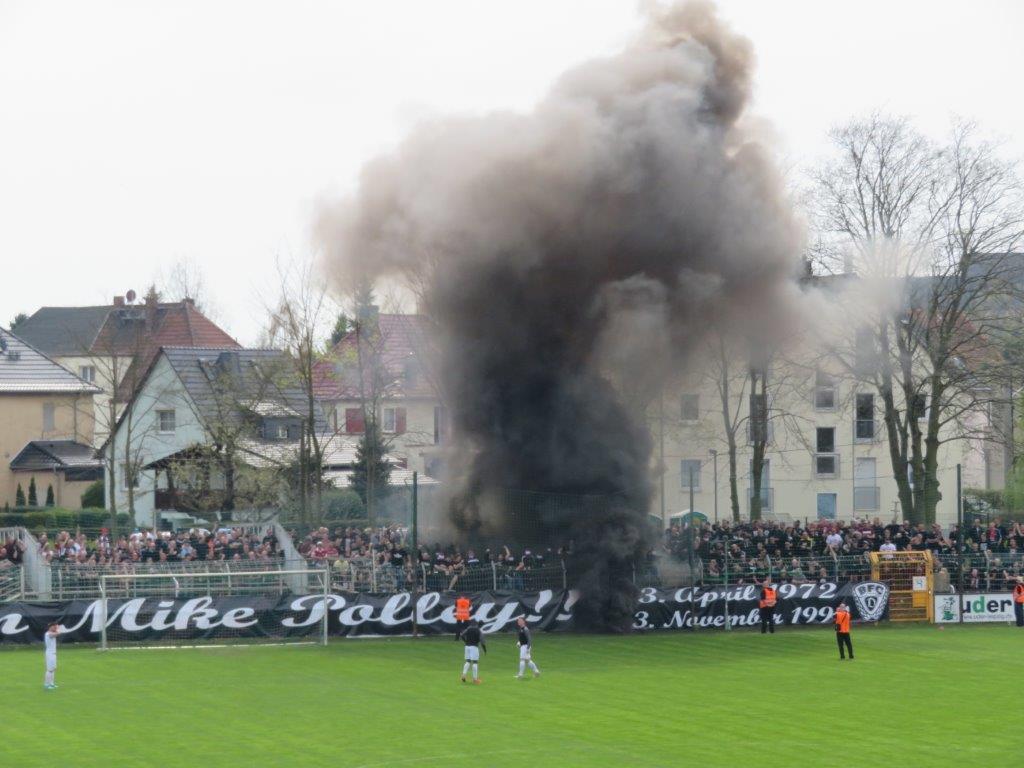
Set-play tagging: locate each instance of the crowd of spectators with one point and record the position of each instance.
(989, 554)
(384, 557)
(145, 547)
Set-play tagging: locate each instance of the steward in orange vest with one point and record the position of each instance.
(843, 631)
(767, 606)
(1018, 601)
(462, 608)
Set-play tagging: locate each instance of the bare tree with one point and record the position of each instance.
(301, 321)
(928, 229)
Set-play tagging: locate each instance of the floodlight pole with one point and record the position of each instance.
(415, 511)
(689, 552)
(960, 536)
(714, 457)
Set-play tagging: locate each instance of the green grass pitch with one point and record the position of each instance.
(915, 695)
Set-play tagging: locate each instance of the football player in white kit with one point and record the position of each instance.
(525, 643)
(50, 643)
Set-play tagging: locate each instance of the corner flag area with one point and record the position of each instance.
(915, 693)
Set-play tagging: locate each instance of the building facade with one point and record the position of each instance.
(46, 413)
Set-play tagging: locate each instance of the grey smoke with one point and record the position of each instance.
(572, 258)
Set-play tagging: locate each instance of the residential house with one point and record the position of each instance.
(397, 375)
(46, 426)
(200, 419)
(826, 454)
(111, 345)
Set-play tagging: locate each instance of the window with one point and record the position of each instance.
(825, 439)
(919, 406)
(767, 493)
(690, 468)
(128, 477)
(865, 488)
(282, 431)
(824, 391)
(166, 421)
(865, 427)
(354, 424)
(865, 356)
(87, 372)
(826, 460)
(690, 408)
(49, 417)
(757, 429)
(394, 420)
(440, 425)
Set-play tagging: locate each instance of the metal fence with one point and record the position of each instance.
(364, 574)
(12, 583)
(70, 581)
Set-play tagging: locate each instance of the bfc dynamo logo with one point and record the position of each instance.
(871, 598)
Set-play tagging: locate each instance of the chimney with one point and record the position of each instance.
(119, 301)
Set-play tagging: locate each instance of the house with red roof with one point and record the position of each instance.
(396, 376)
(113, 345)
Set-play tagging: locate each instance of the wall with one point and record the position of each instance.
(794, 488)
(106, 368)
(22, 420)
(415, 445)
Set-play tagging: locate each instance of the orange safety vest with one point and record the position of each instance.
(768, 601)
(843, 622)
(1018, 593)
(462, 606)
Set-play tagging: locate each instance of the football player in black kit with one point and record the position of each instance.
(525, 644)
(474, 640)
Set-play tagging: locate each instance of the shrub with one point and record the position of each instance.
(49, 495)
(19, 497)
(94, 496)
(33, 497)
(343, 505)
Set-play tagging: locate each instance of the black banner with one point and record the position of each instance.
(709, 608)
(364, 615)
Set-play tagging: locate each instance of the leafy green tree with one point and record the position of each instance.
(340, 328)
(371, 469)
(18, 319)
(33, 498)
(49, 496)
(19, 497)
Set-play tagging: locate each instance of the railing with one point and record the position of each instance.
(12, 583)
(365, 574)
(36, 576)
(866, 498)
(73, 580)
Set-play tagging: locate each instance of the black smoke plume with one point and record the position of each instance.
(571, 259)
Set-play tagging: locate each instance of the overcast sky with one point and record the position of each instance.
(135, 134)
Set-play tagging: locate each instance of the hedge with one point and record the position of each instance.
(57, 519)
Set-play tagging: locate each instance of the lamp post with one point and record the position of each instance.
(714, 458)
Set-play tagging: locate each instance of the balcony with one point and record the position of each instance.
(767, 498)
(826, 466)
(866, 498)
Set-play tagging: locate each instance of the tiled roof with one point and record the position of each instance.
(403, 342)
(140, 331)
(397, 477)
(40, 455)
(63, 331)
(25, 369)
(255, 374)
